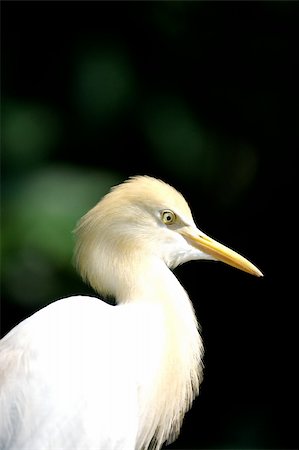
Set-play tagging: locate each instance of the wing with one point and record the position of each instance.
(67, 380)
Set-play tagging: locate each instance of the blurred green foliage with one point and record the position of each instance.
(40, 213)
(30, 132)
(103, 83)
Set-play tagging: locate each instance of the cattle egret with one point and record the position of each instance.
(81, 374)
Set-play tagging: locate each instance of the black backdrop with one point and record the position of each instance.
(203, 95)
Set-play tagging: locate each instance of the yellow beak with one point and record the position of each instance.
(218, 251)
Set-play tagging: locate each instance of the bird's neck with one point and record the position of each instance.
(170, 350)
(147, 280)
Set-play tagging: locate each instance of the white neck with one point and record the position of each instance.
(170, 351)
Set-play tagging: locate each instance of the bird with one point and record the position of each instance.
(84, 374)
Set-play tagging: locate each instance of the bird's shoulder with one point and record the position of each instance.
(63, 324)
(60, 312)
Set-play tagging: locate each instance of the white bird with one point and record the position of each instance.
(81, 374)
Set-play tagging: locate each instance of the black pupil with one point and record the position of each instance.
(168, 218)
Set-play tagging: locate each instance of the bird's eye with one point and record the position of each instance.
(168, 217)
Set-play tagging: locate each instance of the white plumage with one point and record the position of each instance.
(84, 375)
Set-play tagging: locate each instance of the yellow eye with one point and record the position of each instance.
(168, 217)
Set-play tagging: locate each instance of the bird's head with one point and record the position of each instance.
(139, 219)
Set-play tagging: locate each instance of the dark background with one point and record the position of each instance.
(203, 95)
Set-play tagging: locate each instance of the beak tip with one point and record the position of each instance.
(250, 268)
(255, 271)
